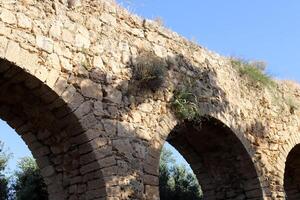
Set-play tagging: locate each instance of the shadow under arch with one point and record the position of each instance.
(292, 174)
(52, 132)
(221, 163)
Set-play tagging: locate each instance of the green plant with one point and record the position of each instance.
(4, 180)
(149, 71)
(254, 71)
(29, 183)
(185, 105)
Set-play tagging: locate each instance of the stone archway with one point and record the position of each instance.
(51, 129)
(292, 174)
(221, 163)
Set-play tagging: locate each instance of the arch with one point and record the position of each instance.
(292, 174)
(223, 167)
(57, 136)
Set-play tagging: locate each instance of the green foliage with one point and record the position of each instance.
(176, 182)
(29, 183)
(185, 105)
(4, 157)
(149, 71)
(254, 71)
(185, 184)
(4, 189)
(166, 157)
(165, 189)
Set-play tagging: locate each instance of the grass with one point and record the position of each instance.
(254, 71)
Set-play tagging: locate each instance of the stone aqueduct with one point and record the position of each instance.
(64, 78)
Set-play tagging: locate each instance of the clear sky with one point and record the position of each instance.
(13, 144)
(256, 30)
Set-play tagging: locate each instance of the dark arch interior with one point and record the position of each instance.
(49, 128)
(292, 174)
(222, 165)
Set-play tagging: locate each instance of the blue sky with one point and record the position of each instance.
(256, 30)
(13, 145)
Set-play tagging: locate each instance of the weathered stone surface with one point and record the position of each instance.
(68, 87)
(55, 30)
(8, 16)
(91, 89)
(98, 108)
(83, 109)
(113, 95)
(65, 64)
(44, 43)
(24, 21)
(124, 147)
(67, 36)
(48, 171)
(53, 61)
(12, 51)
(109, 19)
(82, 41)
(110, 127)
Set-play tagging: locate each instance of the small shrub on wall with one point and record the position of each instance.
(185, 105)
(149, 71)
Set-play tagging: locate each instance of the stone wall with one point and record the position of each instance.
(67, 87)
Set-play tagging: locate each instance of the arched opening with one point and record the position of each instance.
(177, 180)
(53, 133)
(20, 177)
(219, 160)
(292, 174)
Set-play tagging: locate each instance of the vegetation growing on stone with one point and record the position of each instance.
(185, 105)
(149, 71)
(254, 71)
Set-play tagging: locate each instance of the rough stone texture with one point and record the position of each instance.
(65, 82)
